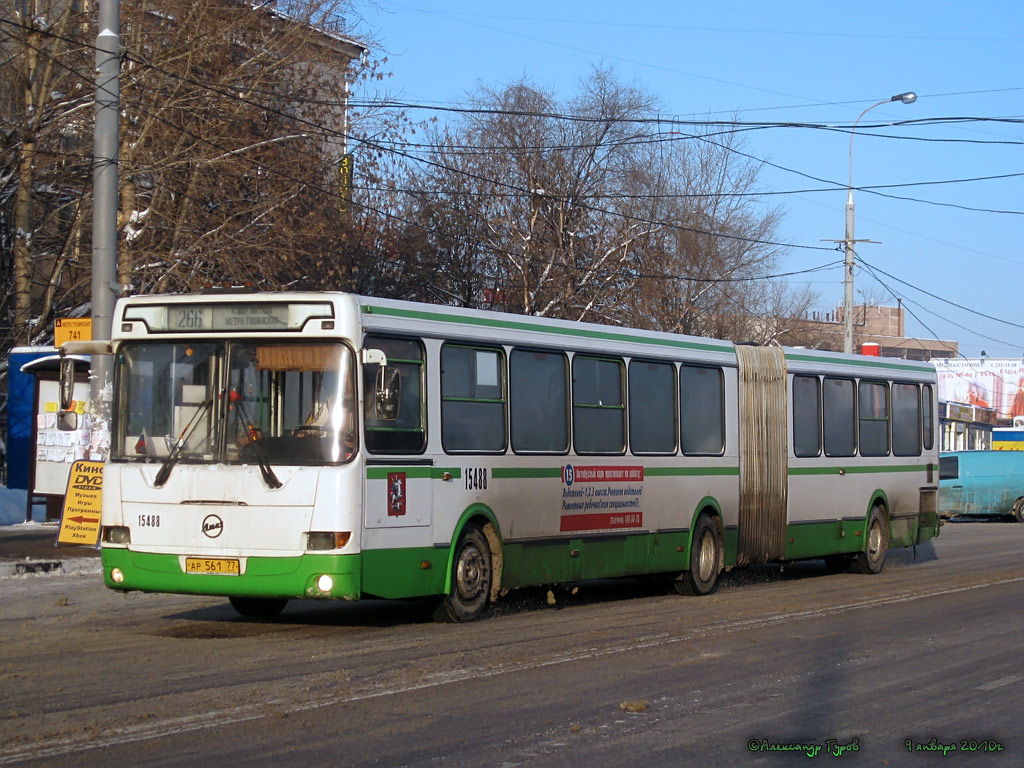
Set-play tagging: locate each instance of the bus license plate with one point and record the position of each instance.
(211, 565)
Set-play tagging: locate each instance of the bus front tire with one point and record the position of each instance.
(471, 579)
(876, 543)
(258, 607)
(705, 560)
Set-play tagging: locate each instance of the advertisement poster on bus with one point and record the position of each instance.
(986, 383)
(601, 497)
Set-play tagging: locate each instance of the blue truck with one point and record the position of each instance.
(982, 484)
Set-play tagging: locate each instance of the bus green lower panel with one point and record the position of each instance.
(902, 531)
(927, 526)
(808, 540)
(263, 577)
(571, 560)
(397, 573)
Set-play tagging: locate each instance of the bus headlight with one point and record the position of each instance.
(116, 575)
(325, 583)
(320, 540)
(117, 534)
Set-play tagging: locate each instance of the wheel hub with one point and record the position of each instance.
(705, 557)
(470, 573)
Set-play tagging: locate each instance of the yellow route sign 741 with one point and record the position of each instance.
(71, 329)
(80, 520)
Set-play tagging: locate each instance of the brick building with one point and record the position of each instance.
(872, 324)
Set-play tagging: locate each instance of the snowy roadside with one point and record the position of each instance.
(25, 547)
(31, 568)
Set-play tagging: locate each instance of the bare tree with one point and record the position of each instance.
(526, 204)
(587, 210)
(45, 118)
(236, 120)
(719, 245)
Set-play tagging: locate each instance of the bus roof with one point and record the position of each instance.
(393, 315)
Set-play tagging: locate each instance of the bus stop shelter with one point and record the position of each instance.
(40, 451)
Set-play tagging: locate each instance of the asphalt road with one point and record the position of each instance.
(779, 666)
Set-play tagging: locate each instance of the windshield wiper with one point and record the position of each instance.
(250, 433)
(186, 433)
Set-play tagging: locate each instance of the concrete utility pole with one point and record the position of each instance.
(104, 219)
(907, 98)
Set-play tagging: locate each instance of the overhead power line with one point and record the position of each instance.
(940, 298)
(732, 125)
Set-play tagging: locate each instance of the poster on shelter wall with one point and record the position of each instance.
(986, 383)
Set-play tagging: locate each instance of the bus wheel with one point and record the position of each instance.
(258, 607)
(872, 558)
(705, 560)
(1018, 510)
(471, 579)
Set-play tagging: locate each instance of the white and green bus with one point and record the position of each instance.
(273, 446)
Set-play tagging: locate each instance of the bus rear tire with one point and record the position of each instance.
(471, 579)
(872, 559)
(705, 560)
(258, 607)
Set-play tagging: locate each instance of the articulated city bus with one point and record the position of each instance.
(274, 446)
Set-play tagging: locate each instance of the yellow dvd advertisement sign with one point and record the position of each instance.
(80, 520)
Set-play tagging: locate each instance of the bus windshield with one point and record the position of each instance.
(236, 402)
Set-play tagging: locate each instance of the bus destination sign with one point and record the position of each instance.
(229, 317)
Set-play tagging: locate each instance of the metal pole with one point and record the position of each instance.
(907, 98)
(104, 219)
(848, 279)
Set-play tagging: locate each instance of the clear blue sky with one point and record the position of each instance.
(812, 62)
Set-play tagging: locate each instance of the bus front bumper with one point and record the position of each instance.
(303, 576)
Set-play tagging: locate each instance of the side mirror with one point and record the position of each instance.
(67, 421)
(66, 383)
(388, 394)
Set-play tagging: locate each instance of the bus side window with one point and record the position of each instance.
(598, 410)
(873, 417)
(906, 420)
(928, 421)
(838, 417)
(538, 397)
(652, 408)
(473, 401)
(806, 416)
(701, 410)
(407, 433)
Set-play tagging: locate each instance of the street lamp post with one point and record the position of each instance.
(907, 98)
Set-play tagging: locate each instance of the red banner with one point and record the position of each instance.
(599, 521)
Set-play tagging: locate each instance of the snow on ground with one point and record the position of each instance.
(16, 572)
